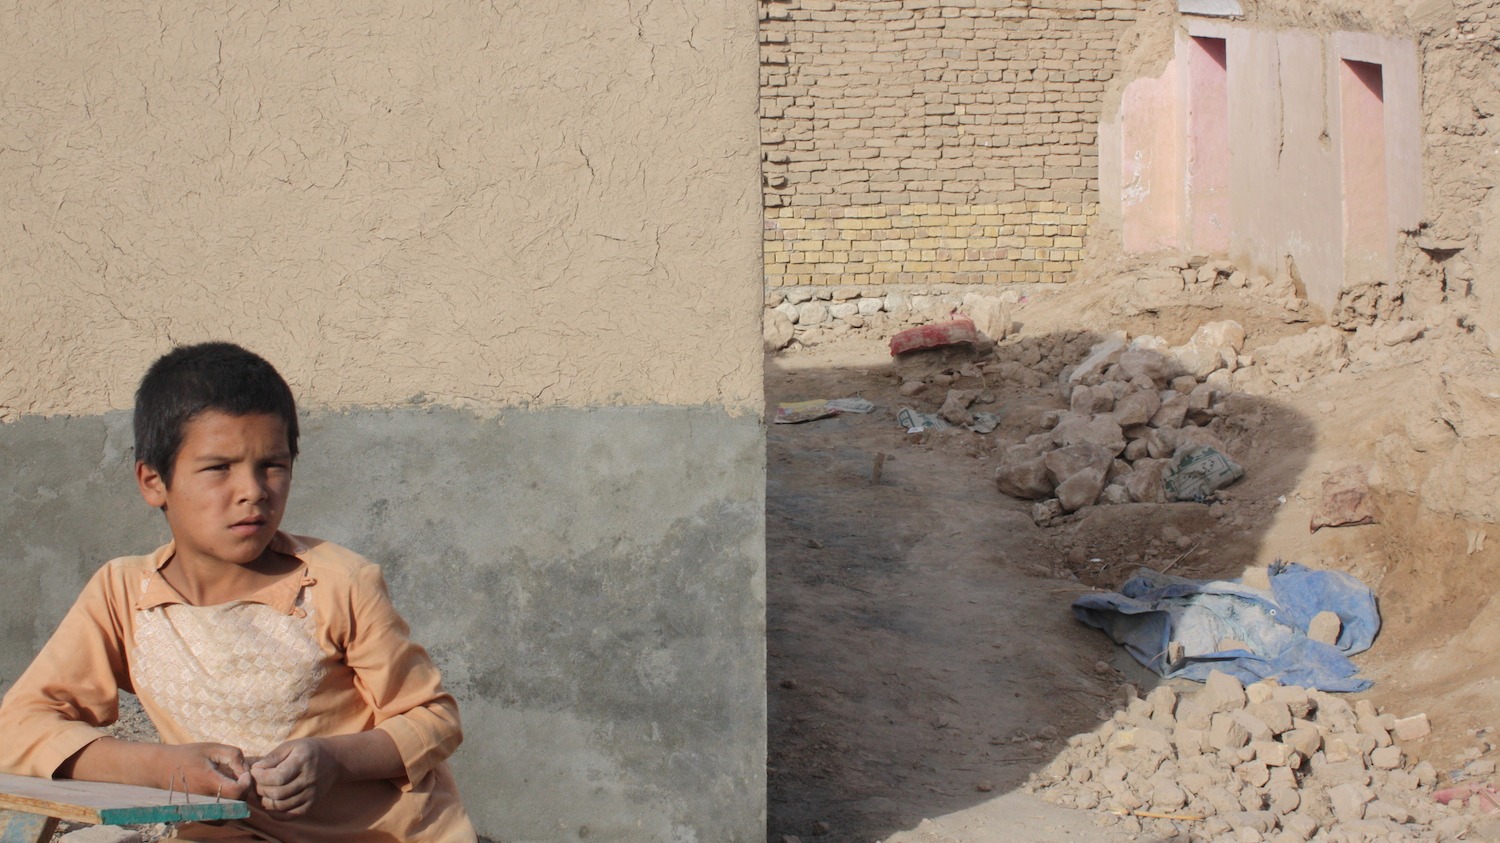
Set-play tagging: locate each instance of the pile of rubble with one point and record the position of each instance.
(1137, 410)
(1267, 762)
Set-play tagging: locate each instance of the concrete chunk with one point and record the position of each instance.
(1349, 800)
(1325, 627)
(1222, 692)
(1413, 727)
(1276, 716)
(1226, 733)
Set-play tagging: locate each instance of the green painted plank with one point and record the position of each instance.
(112, 804)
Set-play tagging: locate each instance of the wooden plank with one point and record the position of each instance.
(16, 827)
(102, 803)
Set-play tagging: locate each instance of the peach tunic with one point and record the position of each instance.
(321, 652)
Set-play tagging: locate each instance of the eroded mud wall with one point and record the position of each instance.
(488, 245)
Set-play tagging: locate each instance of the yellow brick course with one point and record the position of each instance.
(923, 243)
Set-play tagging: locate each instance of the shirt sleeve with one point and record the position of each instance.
(397, 677)
(71, 688)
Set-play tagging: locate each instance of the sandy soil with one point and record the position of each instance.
(922, 657)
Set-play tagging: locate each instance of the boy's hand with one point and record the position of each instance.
(291, 777)
(210, 769)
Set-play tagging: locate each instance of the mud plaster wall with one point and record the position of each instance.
(932, 141)
(483, 204)
(1448, 259)
(488, 245)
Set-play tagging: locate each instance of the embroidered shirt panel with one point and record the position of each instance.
(239, 673)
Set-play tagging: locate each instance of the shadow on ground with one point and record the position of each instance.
(922, 658)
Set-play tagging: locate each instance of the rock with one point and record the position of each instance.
(1296, 699)
(1101, 356)
(1098, 430)
(1140, 363)
(1254, 773)
(798, 295)
(1386, 758)
(1226, 733)
(1412, 728)
(1043, 513)
(788, 310)
(776, 330)
(1284, 800)
(1325, 628)
(1163, 701)
(1222, 693)
(898, 302)
(1381, 809)
(1027, 479)
(812, 313)
(870, 307)
(991, 316)
(1261, 821)
(1304, 741)
(1190, 742)
(1225, 334)
(1334, 714)
(1172, 411)
(1254, 726)
(1071, 459)
(1192, 714)
(1276, 716)
(843, 310)
(1137, 408)
(913, 387)
(1143, 737)
(1145, 483)
(1115, 494)
(1088, 400)
(1276, 754)
(1081, 489)
(1349, 800)
(845, 293)
(1300, 824)
(1167, 797)
(955, 409)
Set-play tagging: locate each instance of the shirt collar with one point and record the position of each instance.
(280, 595)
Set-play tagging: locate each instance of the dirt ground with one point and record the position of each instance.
(922, 659)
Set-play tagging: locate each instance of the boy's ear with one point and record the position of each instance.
(153, 486)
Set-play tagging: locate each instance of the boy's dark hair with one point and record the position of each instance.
(191, 379)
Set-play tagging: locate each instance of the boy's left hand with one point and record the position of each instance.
(291, 777)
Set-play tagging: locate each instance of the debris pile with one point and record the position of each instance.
(1138, 413)
(1264, 762)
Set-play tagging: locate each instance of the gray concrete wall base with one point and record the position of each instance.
(590, 581)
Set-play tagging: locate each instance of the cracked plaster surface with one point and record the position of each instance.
(477, 205)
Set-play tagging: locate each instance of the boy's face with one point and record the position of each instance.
(230, 482)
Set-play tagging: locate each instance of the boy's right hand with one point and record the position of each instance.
(209, 769)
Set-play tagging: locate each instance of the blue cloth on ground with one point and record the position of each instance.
(1153, 609)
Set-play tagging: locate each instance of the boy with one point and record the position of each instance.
(274, 666)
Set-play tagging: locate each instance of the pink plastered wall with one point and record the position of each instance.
(1272, 148)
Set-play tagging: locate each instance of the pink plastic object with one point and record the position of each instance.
(1477, 795)
(937, 335)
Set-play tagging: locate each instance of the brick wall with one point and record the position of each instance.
(932, 141)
